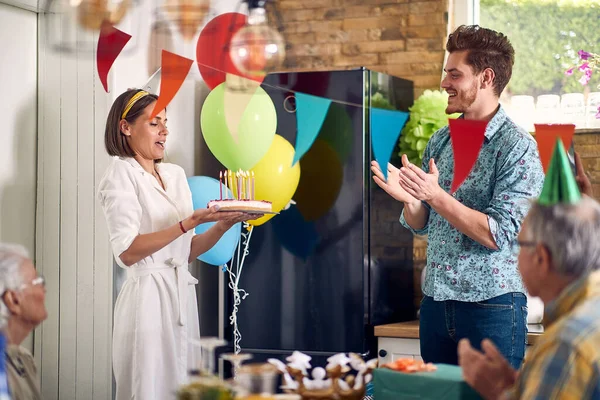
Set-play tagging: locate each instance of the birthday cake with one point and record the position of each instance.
(241, 205)
(237, 193)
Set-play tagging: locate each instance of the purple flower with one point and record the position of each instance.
(495, 271)
(448, 268)
(584, 55)
(454, 281)
(569, 72)
(585, 78)
(584, 67)
(598, 113)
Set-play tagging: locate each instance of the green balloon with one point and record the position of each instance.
(255, 131)
(337, 131)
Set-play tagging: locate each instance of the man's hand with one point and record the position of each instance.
(488, 373)
(419, 184)
(392, 185)
(583, 181)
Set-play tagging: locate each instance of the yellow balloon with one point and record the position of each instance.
(275, 178)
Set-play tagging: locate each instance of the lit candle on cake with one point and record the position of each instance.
(244, 191)
(220, 185)
(230, 180)
(239, 185)
(247, 175)
(252, 193)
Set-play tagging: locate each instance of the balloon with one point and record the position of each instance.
(321, 181)
(337, 130)
(275, 178)
(295, 234)
(212, 49)
(255, 131)
(205, 189)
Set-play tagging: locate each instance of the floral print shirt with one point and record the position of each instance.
(507, 173)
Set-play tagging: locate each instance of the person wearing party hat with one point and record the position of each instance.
(559, 260)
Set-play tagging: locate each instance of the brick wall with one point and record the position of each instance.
(403, 38)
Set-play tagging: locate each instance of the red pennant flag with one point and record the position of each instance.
(546, 135)
(467, 138)
(110, 44)
(174, 69)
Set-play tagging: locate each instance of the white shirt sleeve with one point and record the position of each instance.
(121, 206)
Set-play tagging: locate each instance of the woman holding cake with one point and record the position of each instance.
(151, 221)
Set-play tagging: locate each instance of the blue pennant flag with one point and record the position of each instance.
(310, 114)
(385, 131)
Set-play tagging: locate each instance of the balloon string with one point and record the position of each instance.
(234, 280)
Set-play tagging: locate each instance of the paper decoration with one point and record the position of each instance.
(546, 136)
(174, 69)
(111, 42)
(467, 138)
(560, 186)
(238, 93)
(310, 114)
(386, 126)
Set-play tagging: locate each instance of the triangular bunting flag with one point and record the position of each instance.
(560, 186)
(174, 69)
(467, 138)
(546, 135)
(110, 44)
(310, 114)
(385, 131)
(238, 93)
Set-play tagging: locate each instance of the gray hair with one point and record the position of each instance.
(11, 258)
(570, 232)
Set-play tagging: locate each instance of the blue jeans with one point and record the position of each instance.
(501, 319)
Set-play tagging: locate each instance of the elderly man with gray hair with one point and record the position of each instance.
(21, 310)
(559, 260)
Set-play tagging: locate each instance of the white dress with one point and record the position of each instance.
(156, 311)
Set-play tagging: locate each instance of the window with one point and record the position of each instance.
(546, 35)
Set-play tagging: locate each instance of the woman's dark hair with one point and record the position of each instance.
(115, 141)
(486, 49)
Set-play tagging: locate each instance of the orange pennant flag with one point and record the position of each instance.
(110, 43)
(546, 135)
(467, 138)
(174, 69)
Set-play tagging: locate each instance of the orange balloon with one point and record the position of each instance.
(321, 181)
(275, 179)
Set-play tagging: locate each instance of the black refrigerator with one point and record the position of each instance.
(321, 286)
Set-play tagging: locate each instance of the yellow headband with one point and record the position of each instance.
(132, 101)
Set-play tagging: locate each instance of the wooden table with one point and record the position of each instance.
(410, 330)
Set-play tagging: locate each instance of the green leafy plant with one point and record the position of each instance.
(427, 115)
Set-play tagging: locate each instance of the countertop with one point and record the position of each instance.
(410, 330)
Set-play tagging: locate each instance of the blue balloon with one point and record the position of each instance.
(298, 236)
(205, 189)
